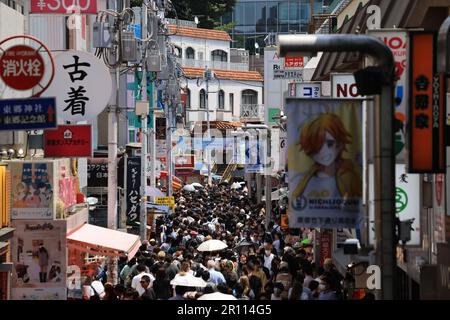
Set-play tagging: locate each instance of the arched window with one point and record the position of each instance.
(221, 98)
(188, 98)
(219, 55)
(202, 99)
(249, 97)
(178, 52)
(190, 53)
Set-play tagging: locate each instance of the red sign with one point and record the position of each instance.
(427, 110)
(325, 245)
(294, 62)
(21, 67)
(68, 141)
(438, 184)
(64, 6)
(184, 161)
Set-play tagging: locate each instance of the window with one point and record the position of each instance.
(188, 98)
(219, 55)
(131, 136)
(249, 97)
(178, 52)
(202, 99)
(200, 56)
(221, 98)
(190, 53)
(232, 102)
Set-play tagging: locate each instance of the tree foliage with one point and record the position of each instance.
(208, 12)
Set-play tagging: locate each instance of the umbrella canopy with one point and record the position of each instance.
(188, 280)
(153, 192)
(196, 184)
(217, 296)
(244, 245)
(212, 245)
(189, 188)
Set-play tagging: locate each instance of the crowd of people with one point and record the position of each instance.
(258, 263)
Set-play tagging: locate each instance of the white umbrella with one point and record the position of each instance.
(153, 192)
(235, 185)
(189, 187)
(188, 280)
(217, 296)
(196, 184)
(212, 245)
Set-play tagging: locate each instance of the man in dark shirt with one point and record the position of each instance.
(148, 294)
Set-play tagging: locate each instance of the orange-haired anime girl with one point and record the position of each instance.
(323, 140)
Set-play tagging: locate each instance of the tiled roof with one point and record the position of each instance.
(200, 33)
(225, 74)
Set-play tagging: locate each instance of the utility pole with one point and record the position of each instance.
(208, 124)
(143, 212)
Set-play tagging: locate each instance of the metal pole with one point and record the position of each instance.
(169, 151)
(143, 212)
(311, 44)
(268, 178)
(208, 129)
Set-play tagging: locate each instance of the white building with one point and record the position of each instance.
(235, 94)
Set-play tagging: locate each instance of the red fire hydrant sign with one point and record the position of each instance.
(68, 141)
(21, 67)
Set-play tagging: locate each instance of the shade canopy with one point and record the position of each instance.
(153, 192)
(212, 245)
(217, 296)
(188, 280)
(102, 241)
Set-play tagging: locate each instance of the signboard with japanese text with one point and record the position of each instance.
(287, 74)
(397, 41)
(325, 240)
(39, 250)
(97, 172)
(294, 62)
(166, 201)
(68, 141)
(325, 162)
(133, 190)
(184, 161)
(21, 67)
(407, 201)
(305, 90)
(33, 190)
(74, 86)
(427, 108)
(254, 156)
(63, 6)
(27, 114)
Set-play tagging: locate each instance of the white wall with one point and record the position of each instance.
(228, 86)
(201, 45)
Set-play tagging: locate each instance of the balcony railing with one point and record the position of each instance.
(252, 112)
(191, 63)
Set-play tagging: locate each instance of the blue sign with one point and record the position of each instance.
(27, 114)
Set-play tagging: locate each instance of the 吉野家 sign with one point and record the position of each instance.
(22, 67)
(68, 141)
(27, 114)
(325, 162)
(427, 109)
(76, 86)
(63, 6)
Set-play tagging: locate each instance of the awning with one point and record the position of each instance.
(102, 241)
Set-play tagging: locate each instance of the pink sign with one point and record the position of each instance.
(64, 6)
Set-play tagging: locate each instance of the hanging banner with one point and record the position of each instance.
(427, 109)
(63, 6)
(39, 254)
(68, 141)
(79, 73)
(325, 162)
(133, 190)
(326, 236)
(33, 190)
(407, 201)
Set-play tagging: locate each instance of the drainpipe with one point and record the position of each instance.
(310, 45)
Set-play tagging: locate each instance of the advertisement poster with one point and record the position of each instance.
(325, 163)
(407, 201)
(97, 172)
(32, 190)
(38, 252)
(133, 190)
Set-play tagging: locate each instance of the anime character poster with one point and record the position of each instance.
(39, 255)
(324, 163)
(32, 189)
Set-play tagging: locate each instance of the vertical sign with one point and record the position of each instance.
(426, 110)
(325, 244)
(133, 190)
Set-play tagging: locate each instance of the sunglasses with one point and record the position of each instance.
(142, 282)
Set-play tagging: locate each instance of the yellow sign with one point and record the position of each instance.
(166, 201)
